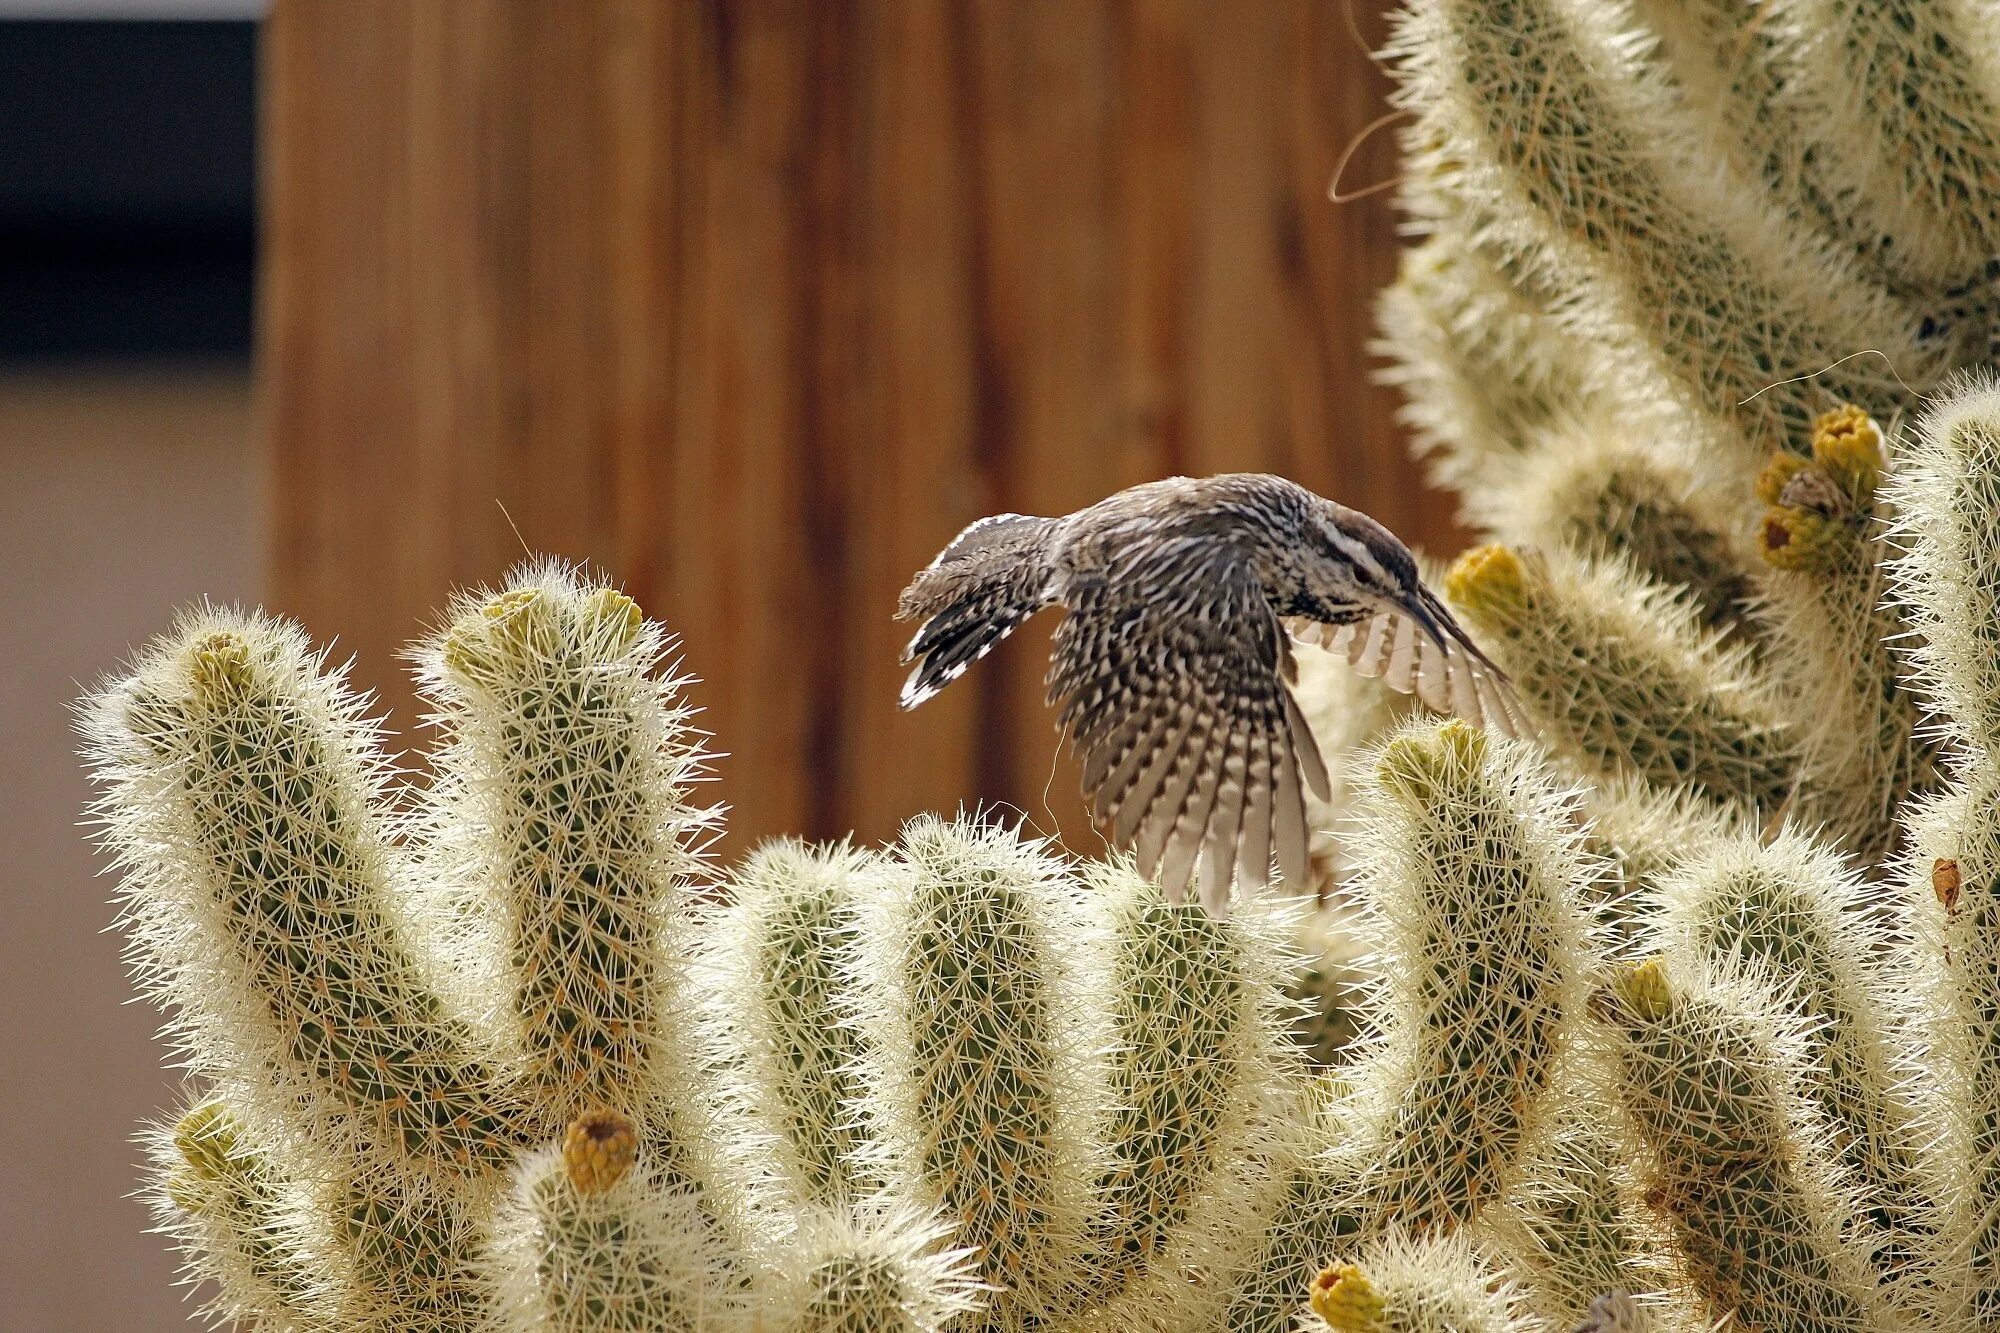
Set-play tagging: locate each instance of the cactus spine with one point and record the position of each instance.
(1793, 915)
(790, 1047)
(984, 1102)
(1623, 679)
(1403, 1286)
(1728, 1160)
(1475, 873)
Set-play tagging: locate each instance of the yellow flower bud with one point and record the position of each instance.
(598, 1150)
(1343, 1296)
(1490, 584)
(219, 665)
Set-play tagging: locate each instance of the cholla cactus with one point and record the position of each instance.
(1685, 273)
(497, 1064)
(520, 1060)
(1405, 1286)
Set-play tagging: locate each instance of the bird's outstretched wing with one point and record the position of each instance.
(1439, 664)
(1191, 741)
(993, 576)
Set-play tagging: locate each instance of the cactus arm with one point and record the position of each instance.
(1622, 679)
(1475, 873)
(242, 797)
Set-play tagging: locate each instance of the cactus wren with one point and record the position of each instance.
(1173, 668)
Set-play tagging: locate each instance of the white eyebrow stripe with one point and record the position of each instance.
(1358, 552)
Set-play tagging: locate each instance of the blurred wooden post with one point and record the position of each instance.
(756, 303)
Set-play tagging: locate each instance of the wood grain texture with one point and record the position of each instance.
(755, 303)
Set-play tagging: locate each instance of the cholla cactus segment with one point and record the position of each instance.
(1945, 493)
(1201, 1073)
(1327, 990)
(1793, 914)
(242, 785)
(404, 1253)
(1475, 873)
(566, 772)
(1829, 637)
(1612, 489)
(984, 1098)
(1566, 1229)
(1904, 95)
(1622, 678)
(1309, 1215)
(787, 1039)
(1402, 1285)
(593, 1251)
(882, 1269)
(1548, 116)
(221, 1200)
(1482, 366)
(1642, 833)
(1729, 1158)
(1952, 898)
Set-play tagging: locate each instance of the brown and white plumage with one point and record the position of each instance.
(1174, 667)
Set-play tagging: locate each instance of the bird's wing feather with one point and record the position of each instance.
(1453, 676)
(1207, 745)
(992, 576)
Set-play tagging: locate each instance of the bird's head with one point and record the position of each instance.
(1349, 552)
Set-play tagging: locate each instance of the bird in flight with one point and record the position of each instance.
(1173, 669)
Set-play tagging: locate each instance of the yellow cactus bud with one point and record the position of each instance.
(220, 666)
(508, 626)
(1801, 539)
(1848, 444)
(598, 1150)
(1413, 765)
(1343, 1296)
(1778, 473)
(610, 613)
(1644, 989)
(1490, 583)
(206, 1137)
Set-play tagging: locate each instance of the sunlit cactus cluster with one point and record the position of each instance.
(1697, 321)
(1681, 1013)
(504, 1050)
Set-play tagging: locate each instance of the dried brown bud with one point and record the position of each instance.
(1946, 882)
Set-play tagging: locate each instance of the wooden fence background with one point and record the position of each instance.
(755, 304)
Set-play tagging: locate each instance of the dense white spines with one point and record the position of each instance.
(1622, 678)
(984, 1098)
(1566, 1229)
(565, 775)
(1610, 488)
(1481, 365)
(879, 1271)
(784, 1027)
(1201, 1076)
(1945, 492)
(1903, 96)
(1729, 1157)
(242, 794)
(1474, 871)
(1548, 115)
(1405, 1285)
(593, 1238)
(1794, 916)
(233, 1218)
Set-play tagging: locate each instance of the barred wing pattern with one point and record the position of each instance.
(1452, 677)
(1191, 741)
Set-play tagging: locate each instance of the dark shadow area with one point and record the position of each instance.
(127, 189)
